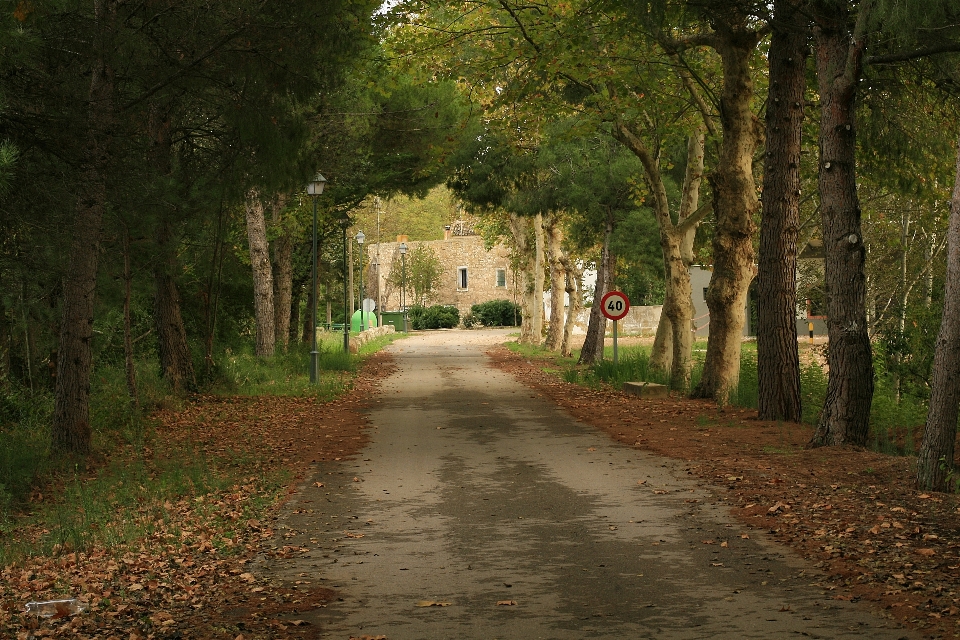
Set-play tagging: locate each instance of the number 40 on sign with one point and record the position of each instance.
(615, 306)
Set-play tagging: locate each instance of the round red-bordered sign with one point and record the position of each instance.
(615, 305)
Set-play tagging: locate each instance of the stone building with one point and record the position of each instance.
(471, 273)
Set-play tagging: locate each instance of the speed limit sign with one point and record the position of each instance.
(615, 305)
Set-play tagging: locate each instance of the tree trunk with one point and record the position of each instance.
(661, 353)
(935, 462)
(528, 242)
(176, 362)
(778, 360)
(293, 317)
(846, 412)
(673, 346)
(262, 275)
(70, 430)
(592, 350)
(904, 299)
(553, 233)
(127, 328)
(735, 203)
(282, 275)
(535, 284)
(572, 280)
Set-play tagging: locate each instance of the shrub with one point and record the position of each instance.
(496, 313)
(435, 317)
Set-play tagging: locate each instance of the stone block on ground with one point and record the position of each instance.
(646, 389)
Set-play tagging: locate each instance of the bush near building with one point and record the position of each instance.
(436, 317)
(495, 313)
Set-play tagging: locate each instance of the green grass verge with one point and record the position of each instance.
(894, 422)
(119, 494)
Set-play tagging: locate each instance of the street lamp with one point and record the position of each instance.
(403, 283)
(360, 239)
(314, 189)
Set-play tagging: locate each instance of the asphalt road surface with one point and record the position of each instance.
(481, 510)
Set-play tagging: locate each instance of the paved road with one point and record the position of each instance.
(474, 491)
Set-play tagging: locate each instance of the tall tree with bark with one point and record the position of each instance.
(841, 39)
(936, 459)
(262, 275)
(553, 235)
(778, 360)
(70, 429)
(673, 346)
(734, 34)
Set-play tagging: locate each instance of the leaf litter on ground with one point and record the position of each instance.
(853, 514)
(189, 574)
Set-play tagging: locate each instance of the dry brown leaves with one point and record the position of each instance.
(189, 578)
(853, 513)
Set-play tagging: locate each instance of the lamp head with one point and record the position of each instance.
(402, 248)
(315, 186)
(360, 237)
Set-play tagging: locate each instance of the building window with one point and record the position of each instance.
(461, 277)
(501, 277)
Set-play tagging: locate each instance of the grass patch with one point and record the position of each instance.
(138, 481)
(287, 373)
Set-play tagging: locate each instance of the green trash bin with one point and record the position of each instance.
(369, 321)
(394, 319)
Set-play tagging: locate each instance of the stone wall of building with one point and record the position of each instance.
(487, 272)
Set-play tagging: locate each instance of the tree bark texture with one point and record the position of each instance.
(935, 462)
(673, 345)
(131, 372)
(293, 323)
(262, 275)
(536, 291)
(282, 274)
(735, 204)
(528, 241)
(176, 362)
(553, 234)
(572, 280)
(70, 431)
(592, 350)
(846, 412)
(778, 360)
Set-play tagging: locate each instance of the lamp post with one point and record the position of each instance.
(363, 320)
(403, 282)
(314, 189)
(346, 297)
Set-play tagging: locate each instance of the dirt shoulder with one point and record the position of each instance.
(854, 514)
(190, 576)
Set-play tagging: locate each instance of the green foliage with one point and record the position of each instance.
(287, 374)
(908, 357)
(416, 218)
(813, 391)
(423, 273)
(494, 313)
(435, 317)
(24, 449)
